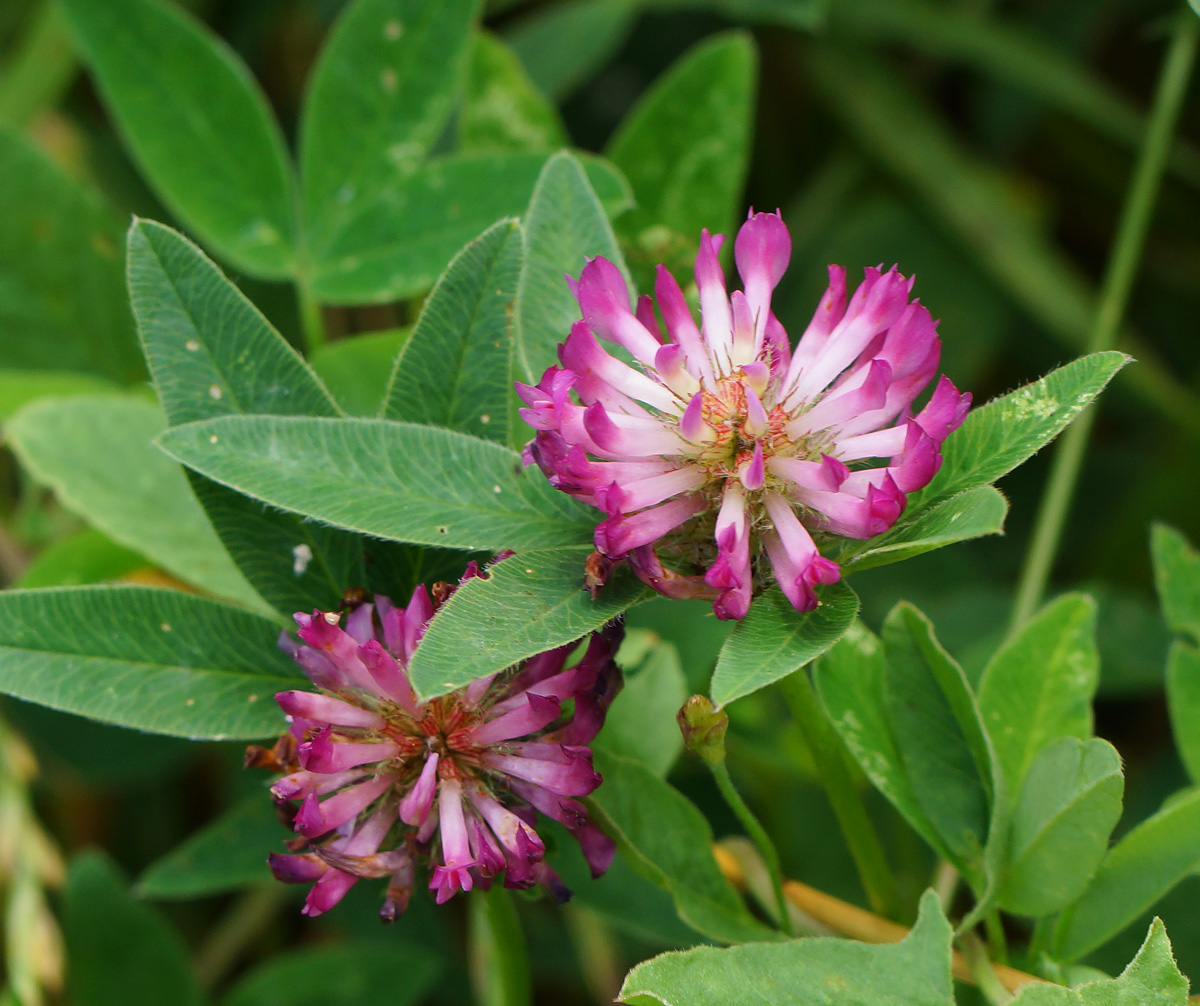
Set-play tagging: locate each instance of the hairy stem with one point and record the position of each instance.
(759, 837)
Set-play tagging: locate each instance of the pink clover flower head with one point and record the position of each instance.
(377, 782)
(721, 449)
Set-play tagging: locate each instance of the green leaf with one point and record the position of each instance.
(1137, 871)
(19, 387)
(1177, 578)
(156, 660)
(566, 44)
(1068, 805)
(1183, 701)
(1009, 430)
(939, 735)
(200, 335)
(816, 972)
(96, 452)
(1152, 979)
(86, 556)
(851, 683)
(1039, 686)
(225, 855)
(685, 147)
(222, 167)
(120, 950)
(502, 109)
(403, 244)
(669, 842)
(454, 371)
(210, 350)
(565, 224)
(351, 973)
(392, 480)
(62, 303)
(972, 514)
(380, 96)
(774, 640)
(355, 370)
(641, 722)
(526, 604)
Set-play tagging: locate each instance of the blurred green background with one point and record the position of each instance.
(983, 145)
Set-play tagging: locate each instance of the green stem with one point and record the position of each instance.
(997, 941)
(981, 967)
(829, 755)
(233, 934)
(1114, 296)
(759, 837)
(312, 322)
(40, 69)
(499, 960)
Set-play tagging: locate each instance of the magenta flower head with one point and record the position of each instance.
(721, 449)
(384, 781)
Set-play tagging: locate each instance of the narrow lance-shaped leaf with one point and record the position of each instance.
(96, 452)
(564, 225)
(381, 94)
(1137, 871)
(1038, 687)
(454, 369)
(774, 640)
(156, 660)
(529, 603)
(62, 306)
(212, 353)
(1007, 431)
(972, 514)
(914, 972)
(1068, 806)
(392, 480)
(220, 163)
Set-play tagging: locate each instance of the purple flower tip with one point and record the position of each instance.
(384, 781)
(722, 449)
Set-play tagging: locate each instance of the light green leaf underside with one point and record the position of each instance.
(392, 480)
(156, 660)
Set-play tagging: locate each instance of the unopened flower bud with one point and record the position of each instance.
(703, 726)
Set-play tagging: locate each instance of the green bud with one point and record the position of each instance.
(703, 726)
